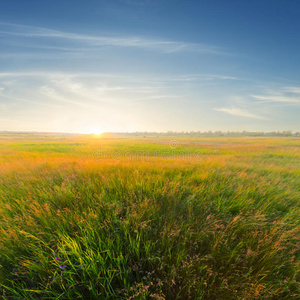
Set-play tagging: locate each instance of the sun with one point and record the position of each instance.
(96, 131)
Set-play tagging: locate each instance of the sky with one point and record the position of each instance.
(149, 65)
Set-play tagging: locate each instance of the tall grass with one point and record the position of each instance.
(222, 224)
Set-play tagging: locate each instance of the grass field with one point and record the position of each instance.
(85, 217)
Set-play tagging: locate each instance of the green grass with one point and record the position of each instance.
(214, 218)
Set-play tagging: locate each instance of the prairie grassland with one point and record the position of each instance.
(93, 218)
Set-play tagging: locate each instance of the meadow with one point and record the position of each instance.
(91, 217)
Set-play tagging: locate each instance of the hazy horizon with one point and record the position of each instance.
(162, 133)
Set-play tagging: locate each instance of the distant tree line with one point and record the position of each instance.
(161, 134)
(212, 133)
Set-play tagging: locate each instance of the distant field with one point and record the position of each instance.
(85, 217)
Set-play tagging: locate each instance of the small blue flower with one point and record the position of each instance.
(62, 266)
(57, 258)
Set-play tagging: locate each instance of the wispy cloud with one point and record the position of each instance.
(292, 89)
(274, 98)
(285, 95)
(86, 90)
(201, 77)
(238, 112)
(165, 46)
(51, 93)
(14, 100)
(183, 78)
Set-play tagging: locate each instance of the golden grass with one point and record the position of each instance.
(214, 218)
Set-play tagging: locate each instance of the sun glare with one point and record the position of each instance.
(96, 131)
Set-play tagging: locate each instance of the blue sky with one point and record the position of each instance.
(149, 65)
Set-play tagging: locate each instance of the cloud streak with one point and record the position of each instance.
(164, 46)
(145, 82)
(292, 89)
(238, 112)
(285, 95)
(85, 90)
